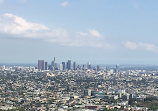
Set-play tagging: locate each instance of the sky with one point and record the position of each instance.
(95, 31)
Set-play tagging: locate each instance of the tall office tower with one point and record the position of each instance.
(39, 65)
(52, 63)
(98, 68)
(69, 64)
(84, 66)
(56, 65)
(88, 65)
(74, 66)
(61, 67)
(63, 63)
(117, 68)
(50, 67)
(43, 65)
(46, 65)
(54, 60)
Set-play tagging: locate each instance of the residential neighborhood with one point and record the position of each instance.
(27, 88)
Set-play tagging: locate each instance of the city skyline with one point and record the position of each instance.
(51, 89)
(54, 65)
(43, 65)
(102, 32)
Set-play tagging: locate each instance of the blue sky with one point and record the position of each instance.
(96, 31)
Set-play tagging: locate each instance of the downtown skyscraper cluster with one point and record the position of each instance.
(42, 65)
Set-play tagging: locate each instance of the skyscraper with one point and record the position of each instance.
(74, 66)
(98, 68)
(51, 67)
(117, 68)
(88, 65)
(45, 66)
(54, 61)
(42, 65)
(39, 65)
(69, 64)
(54, 64)
(63, 63)
(61, 67)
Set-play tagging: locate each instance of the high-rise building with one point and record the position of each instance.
(117, 68)
(46, 65)
(51, 67)
(98, 68)
(39, 65)
(74, 66)
(69, 64)
(63, 63)
(54, 63)
(88, 65)
(43, 65)
(61, 67)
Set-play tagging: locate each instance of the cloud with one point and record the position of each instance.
(15, 26)
(95, 33)
(131, 45)
(64, 4)
(11, 24)
(141, 46)
(80, 39)
(1, 1)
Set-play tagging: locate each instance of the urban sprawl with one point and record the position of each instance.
(68, 86)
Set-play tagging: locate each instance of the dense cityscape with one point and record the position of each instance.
(68, 86)
(78, 55)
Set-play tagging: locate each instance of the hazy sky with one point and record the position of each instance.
(96, 31)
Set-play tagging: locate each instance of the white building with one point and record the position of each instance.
(61, 67)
